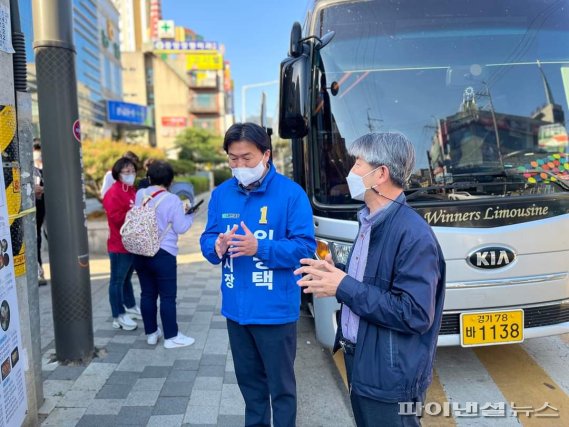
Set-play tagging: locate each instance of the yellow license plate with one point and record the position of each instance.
(491, 327)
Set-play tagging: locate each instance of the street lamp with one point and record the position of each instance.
(245, 88)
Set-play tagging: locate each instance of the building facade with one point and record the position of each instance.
(126, 52)
(98, 62)
(208, 76)
(134, 24)
(151, 81)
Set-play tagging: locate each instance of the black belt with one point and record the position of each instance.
(347, 346)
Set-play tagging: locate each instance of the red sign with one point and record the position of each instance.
(175, 122)
(77, 130)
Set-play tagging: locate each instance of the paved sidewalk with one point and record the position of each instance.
(132, 383)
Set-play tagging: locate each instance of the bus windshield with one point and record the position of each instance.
(481, 88)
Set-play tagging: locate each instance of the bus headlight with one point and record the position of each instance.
(339, 251)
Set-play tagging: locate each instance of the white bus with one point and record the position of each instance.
(481, 88)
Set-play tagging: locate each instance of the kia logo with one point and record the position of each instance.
(492, 257)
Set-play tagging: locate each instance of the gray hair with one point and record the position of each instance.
(391, 149)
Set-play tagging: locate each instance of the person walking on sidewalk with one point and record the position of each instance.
(40, 205)
(117, 201)
(157, 274)
(259, 226)
(392, 288)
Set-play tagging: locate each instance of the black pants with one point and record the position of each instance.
(263, 356)
(373, 413)
(40, 216)
(157, 276)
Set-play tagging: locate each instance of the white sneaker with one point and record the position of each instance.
(134, 312)
(152, 339)
(124, 322)
(179, 340)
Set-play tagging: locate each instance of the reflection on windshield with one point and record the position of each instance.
(482, 96)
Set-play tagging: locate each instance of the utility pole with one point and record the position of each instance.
(63, 177)
(263, 112)
(244, 90)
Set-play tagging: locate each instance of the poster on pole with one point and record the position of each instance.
(13, 397)
(5, 30)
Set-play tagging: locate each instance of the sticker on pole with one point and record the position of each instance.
(77, 130)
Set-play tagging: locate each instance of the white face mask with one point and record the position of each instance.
(247, 176)
(356, 184)
(127, 178)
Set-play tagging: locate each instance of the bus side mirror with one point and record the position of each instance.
(293, 117)
(295, 49)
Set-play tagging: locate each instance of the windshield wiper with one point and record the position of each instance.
(413, 193)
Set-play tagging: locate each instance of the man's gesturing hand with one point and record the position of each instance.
(322, 278)
(243, 244)
(222, 241)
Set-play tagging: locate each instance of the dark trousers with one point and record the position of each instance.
(263, 356)
(157, 276)
(40, 216)
(120, 286)
(373, 413)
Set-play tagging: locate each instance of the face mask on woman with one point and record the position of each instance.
(127, 178)
(247, 176)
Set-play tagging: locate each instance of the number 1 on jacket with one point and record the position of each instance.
(263, 219)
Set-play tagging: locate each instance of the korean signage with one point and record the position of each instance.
(176, 47)
(124, 112)
(175, 121)
(204, 60)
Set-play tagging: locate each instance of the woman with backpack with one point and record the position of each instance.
(118, 199)
(157, 273)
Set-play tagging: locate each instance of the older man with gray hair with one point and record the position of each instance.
(391, 289)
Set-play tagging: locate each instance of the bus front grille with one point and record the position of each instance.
(533, 317)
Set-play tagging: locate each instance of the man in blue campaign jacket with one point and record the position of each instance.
(391, 290)
(259, 227)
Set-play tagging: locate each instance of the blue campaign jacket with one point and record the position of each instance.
(261, 289)
(400, 304)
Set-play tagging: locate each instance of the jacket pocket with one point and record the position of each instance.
(379, 362)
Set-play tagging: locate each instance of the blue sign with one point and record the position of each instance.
(125, 112)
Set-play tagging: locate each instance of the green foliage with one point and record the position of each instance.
(183, 167)
(100, 156)
(200, 183)
(221, 175)
(200, 146)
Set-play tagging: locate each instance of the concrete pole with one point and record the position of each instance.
(63, 178)
(17, 163)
